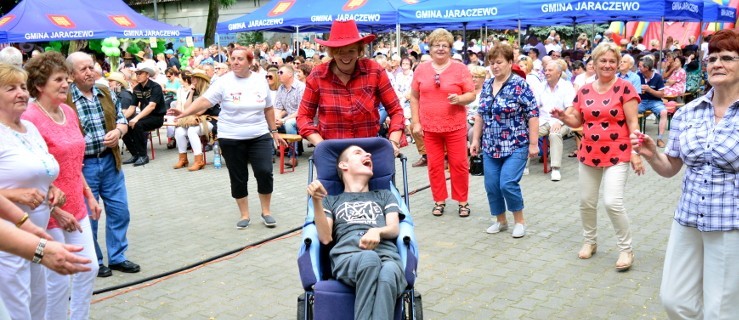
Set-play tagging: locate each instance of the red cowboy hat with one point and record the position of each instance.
(344, 33)
(517, 70)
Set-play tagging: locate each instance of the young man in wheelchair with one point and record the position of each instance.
(363, 225)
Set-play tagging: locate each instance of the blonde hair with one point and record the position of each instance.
(527, 63)
(604, 47)
(440, 35)
(477, 71)
(12, 74)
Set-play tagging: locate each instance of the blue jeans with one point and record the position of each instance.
(291, 126)
(656, 106)
(108, 183)
(502, 177)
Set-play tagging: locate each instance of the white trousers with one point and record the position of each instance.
(700, 279)
(613, 180)
(182, 135)
(58, 303)
(22, 287)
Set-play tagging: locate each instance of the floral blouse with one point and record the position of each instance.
(506, 116)
(677, 88)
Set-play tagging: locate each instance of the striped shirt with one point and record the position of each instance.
(710, 150)
(92, 119)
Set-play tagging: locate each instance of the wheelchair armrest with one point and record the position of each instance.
(309, 257)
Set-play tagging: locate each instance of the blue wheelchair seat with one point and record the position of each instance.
(324, 297)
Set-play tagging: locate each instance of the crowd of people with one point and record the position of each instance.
(62, 118)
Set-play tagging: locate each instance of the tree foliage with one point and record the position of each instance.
(247, 38)
(214, 7)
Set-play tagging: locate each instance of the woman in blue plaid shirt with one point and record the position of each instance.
(700, 279)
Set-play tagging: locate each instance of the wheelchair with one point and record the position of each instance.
(327, 298)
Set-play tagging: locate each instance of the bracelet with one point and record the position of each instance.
(395, 143)
(39, 253)
(273, 130)
(120, 131)
(22, 220)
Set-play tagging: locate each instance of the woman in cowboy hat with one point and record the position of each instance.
(191, 132)
(348, 89)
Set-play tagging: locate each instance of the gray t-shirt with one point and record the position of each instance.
(356, 212)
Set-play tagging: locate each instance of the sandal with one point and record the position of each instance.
(464, 210)
(438, 209)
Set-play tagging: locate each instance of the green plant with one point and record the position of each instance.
(247, 38)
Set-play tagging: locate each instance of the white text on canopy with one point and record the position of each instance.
(358, 17)
(151, 33)
(59, 35)
(591, 6)
(456, 13)
(685, 6)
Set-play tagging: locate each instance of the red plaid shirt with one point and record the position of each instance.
(351, 110)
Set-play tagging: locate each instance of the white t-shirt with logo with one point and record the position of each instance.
(242, 103)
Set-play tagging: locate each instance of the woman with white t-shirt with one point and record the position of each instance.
(246, 130)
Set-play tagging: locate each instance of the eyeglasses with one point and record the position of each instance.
(724, 59)
(280, 72)
(440, 46)
(437, 80)
(296, 63)
(269, 77)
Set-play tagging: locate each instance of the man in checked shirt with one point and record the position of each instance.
(103, 124)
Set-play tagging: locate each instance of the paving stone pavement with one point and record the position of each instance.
(181, 217)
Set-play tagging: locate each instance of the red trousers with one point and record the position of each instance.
(455, 143)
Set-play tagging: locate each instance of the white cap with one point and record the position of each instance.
(457, 56)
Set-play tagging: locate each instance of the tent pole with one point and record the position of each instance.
(156, 12)
(662, 45)
(464, 39)
(591, 43)
(296, 42)
(574, 33)
(397, 39)
(519, 32)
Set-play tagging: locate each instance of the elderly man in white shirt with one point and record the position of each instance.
(557, 93)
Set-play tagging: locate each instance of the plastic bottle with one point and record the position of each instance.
(216, 156)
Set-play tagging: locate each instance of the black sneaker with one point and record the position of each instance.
(130, 160)
(141, 161)
(126, 266)
(104, 271)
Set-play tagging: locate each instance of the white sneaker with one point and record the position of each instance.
(497, 227)
(519, 230)
(556, 176)
(526, 171)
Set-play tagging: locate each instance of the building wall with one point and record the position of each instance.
(194, 13)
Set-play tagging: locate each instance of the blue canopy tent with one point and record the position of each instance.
(311, 15)
(714, 12)
(53, 20)
(588, 11)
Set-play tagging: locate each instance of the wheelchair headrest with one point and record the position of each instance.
(327, 153)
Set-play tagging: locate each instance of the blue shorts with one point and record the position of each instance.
(656, 106)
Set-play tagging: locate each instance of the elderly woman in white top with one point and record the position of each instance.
(27, 171)
(246, 131)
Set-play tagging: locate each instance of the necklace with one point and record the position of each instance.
(342, 71)
(38, 150)
(64, 116)
(440, 69)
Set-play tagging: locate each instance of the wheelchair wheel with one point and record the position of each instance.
(412, 306)
(305, 306)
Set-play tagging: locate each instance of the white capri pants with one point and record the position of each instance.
(700, 279)
(57, 285)
(182, 135)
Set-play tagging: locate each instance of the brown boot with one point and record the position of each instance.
(182, 162)
(199, 163)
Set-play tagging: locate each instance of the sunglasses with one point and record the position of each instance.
(216, 68)
(437, 80)
(268, 77)
(280, 72)
(274, 63)
(296, 63)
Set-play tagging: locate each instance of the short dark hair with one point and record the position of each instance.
(342, 157)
